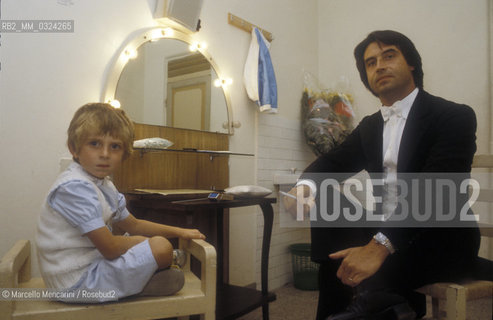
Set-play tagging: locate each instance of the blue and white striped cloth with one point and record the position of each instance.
(258, 75)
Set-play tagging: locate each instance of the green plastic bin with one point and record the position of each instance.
(305, 271)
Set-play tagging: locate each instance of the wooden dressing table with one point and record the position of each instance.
(232, 301)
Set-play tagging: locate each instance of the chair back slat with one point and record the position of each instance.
(483, 161)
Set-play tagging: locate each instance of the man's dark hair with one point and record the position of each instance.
(397, 39)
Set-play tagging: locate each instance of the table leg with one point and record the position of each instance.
(220, 246)
(268, 222)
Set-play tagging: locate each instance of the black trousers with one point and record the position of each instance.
(437, 255)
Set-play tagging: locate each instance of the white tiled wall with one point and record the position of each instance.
(281, 148)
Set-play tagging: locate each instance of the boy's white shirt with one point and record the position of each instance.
(63, 254)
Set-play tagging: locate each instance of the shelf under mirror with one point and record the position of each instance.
(211, 152)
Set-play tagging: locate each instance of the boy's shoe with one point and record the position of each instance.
(179, 258)
(164, 283)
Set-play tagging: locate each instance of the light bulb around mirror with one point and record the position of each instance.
(157, 34)
(115, 103)
(223, 82)
(168, 32)
(131, 53)
(195, 46)
(217, 83)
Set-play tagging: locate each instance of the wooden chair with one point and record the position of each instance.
(198, 296)
(449, 300)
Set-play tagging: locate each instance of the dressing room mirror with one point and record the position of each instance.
(163, 82)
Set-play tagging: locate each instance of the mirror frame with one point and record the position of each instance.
(136, 40)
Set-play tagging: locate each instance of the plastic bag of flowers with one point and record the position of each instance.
(327, 115)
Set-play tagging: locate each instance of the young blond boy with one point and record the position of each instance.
(76, 247)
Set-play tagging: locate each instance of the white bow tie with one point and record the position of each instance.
(388, 112)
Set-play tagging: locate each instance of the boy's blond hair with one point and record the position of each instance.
(100, 119)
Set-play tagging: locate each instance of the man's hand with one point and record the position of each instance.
(305, 198)
(360, 263)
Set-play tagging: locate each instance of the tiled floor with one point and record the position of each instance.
(294, 304)
(291, 304)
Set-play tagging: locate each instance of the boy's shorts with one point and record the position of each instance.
(107, 280)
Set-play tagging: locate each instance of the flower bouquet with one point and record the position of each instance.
(327, 116)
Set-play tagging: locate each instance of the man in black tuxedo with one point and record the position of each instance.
(365, 272)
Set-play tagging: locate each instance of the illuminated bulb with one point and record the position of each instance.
(217, 83)
(161, 33)
(193, 47)
(168, 32)
(197, 46)
(131, 54)
(157, 34)
(115, 103)
(223, 82)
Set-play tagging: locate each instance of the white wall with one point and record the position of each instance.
(281, 149)
(294, 26)
(44, 78)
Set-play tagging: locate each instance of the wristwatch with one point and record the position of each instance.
(384, 241)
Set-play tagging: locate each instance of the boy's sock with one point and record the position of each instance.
(164, 283)
(179, 258)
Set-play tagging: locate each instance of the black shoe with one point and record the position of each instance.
(379, 305)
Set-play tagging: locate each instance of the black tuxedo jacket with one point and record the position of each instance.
(439, 136)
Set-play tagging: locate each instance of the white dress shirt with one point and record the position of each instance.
(395, 117)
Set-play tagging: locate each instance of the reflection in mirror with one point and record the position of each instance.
(168, 85)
